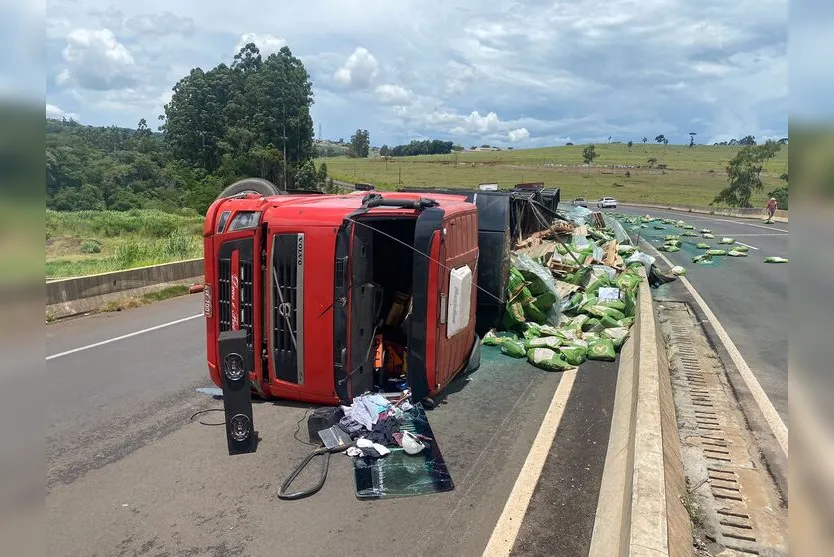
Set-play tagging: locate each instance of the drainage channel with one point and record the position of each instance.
(733, 502)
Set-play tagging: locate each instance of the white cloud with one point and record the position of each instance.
(394, 95)
(519, 134)
(359, 70)
(53, 111)
(267, 44)
(96, 60)
(481, 124)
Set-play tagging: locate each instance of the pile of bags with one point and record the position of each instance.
(577, 305)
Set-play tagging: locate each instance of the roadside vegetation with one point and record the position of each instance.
(89, 242)
(164, 294)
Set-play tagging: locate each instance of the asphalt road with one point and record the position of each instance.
(128, 473)
(749, 297)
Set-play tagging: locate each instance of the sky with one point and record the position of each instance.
(522, 74)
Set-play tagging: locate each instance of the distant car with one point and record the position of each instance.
(580, 202)
(607, 202)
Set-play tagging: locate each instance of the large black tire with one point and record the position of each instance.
(250, 185)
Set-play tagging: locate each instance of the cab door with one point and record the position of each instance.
(425, 317)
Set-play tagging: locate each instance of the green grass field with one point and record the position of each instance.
(692, 176)
(90, 242)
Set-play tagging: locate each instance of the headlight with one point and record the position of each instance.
(244, 220)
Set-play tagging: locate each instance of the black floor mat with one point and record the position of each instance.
(400, 474)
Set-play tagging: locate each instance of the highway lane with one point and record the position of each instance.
(749, 297)
(127, 473)
(106, 401)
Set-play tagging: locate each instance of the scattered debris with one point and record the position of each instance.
(775, 260)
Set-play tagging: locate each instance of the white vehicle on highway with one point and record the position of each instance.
(607, 202)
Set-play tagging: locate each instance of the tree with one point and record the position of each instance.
(609, 139)
(457, 147)
(569, 144)
(589, 153)
(783, 141)
(630, 143)
(383, 151)
(665, 143)
(229, 110)
(692, 139)
(360, 143)
(747, 140)
(744, 174)
(660, 138)
(652, 161)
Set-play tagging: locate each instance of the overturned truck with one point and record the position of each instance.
(339, 295)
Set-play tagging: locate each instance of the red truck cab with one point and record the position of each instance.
(314, 280)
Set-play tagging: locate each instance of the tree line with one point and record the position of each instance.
(250, 118)
(415, 147)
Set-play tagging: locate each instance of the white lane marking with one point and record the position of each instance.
(748, 245)
(506, 531)
(755, 234)
(122, 337)
(777, 426)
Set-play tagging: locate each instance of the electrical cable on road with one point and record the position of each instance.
(195, 414)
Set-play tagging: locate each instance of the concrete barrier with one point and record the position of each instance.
(67, 297)
(641, 508)
(754, 213)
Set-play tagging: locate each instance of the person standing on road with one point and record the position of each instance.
(771, 208)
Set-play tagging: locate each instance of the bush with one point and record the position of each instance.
(91, 246)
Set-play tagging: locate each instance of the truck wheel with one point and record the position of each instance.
(250, 185)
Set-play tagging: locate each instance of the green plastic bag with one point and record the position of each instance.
(547, 359)
(617, 335)
(514, 316)
(601, 311)
(703, 245)
(668, 248)
(704, 259)
(626, 322)
(669, 237)
(608, 322)
(675, 242)
(736, 253)
(534, 313)
(579, 276)
(774, 259)
(497, 338)
(516, 281)
(629, 280)
(514, 348)
(545, 300)
(531, 330)
(601, 349)
(616, 304)
(743, 249)
(726, 240)
(543, 342)
(709, 236)
(706, 231)
(590, 323)
(574, 354)
(678, 270)
(714, 252)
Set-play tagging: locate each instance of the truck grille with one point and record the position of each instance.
(287, 282)
(245, 317)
